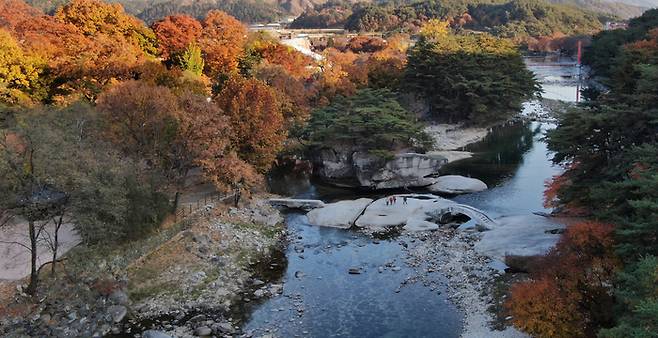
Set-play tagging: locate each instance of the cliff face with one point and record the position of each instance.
(349, 168)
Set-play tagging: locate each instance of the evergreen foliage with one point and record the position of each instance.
(468, 77)
(372, 120)
(637, 291)
(611, 144)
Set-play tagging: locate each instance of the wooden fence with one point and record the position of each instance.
(186, 209)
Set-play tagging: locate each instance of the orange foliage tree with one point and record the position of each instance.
(175, 133)
(386, 67)
(256, 120)
(94, 17)
(140, 117)
(294, 62)
(14, 12)
(571, 295)
(86, 45)
(292, 93)
(175, 33)
(222, 42)
(203, 140)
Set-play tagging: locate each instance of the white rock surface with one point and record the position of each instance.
(341, 214)
(414, 225)
(405, 170)
(456, 184)
(419, 209)
(526, 235)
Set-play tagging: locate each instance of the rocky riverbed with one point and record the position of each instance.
(442, 265)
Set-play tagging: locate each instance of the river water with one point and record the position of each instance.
(320, 297)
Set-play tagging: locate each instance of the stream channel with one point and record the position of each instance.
(321, 299)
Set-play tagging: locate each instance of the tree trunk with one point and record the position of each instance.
(32, 287)
(56, 244)
(176, 200)
(236, 197)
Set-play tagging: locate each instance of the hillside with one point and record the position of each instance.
(621, 9)
(323, 13)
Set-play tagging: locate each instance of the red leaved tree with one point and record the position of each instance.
(570, 296)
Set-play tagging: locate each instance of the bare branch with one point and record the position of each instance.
(16, 243)
(5, 217)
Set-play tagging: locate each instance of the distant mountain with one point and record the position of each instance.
(608, 8)
(639, 3)
(245, 10)
(252, 11)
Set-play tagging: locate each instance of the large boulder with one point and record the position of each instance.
(455, 184)
(419, 213)
(349, 168)
(341, 214)
(334, 166)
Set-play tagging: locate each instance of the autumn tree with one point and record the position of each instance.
(14, 12)
(94, 18)
(19, 73)
(293, 93)
(176, 132)
(255, 118)
(203, 140)
(571, 295)
(386, 67)
(176, 33)
(222, 42)
(141, 118)
(294, 62)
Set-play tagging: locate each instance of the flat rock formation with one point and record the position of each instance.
(456, 184)
(341, 214)
(527, 235)
(417, 210)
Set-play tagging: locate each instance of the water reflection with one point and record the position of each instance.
(499, 155)
(517, 174)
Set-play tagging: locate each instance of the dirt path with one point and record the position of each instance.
(15, 258)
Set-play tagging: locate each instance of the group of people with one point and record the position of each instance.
(391, 200)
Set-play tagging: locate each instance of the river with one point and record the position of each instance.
(321, 299)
